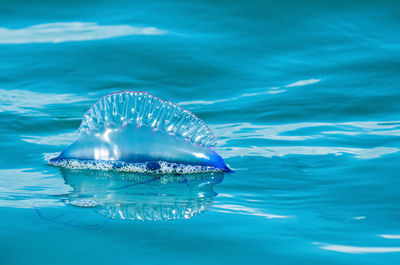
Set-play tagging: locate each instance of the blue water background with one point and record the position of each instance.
(302, 96)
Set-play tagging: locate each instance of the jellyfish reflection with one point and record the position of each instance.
(144, 197)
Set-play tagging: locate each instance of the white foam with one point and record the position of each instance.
(165, 167)
(84, 203)
(71, 31)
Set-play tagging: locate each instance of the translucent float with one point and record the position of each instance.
(136, 132)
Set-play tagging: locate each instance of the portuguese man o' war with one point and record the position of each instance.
(137, 132)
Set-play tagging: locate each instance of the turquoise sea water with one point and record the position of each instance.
(302, 96)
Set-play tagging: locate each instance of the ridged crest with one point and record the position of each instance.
(143, 109)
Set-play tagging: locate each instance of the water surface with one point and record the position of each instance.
(302, 96)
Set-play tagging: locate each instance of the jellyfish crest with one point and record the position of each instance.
(143, 109)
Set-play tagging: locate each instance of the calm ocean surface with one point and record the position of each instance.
(302, 96)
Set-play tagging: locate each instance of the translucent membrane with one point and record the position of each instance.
(143, 109)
